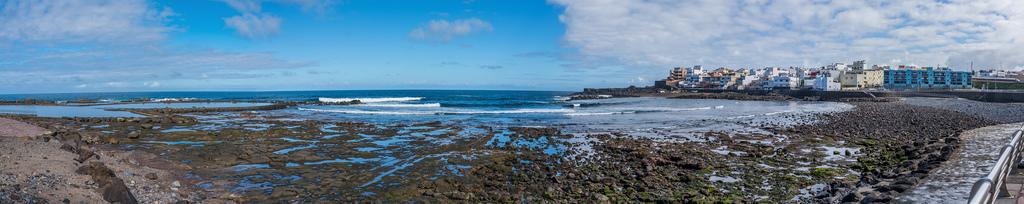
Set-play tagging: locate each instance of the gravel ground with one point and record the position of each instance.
(952, 182)
(14, 128)
(901, 144)
(42, 170)
(999, 112)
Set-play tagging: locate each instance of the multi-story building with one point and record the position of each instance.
(862, 78)
(749, 82)
(685, 77)
(719, 82)
(927, 78)
(675, 76)
(775, 71)
(827, 80)
(693, 75)
(836, 66)
(992, 73)
(784, 81)
(858, 65)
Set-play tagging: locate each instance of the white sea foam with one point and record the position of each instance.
(515, 111)
(369, 112)
(634, 110)
(401, 105)
(600, 113)
(778, 112)
(667, 109)
(690, 109)
(172, 99)
(369, 100)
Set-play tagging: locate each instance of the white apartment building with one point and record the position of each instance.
(827, 80)
(785, 82)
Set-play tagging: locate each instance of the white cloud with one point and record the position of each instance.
(253, 23)
(114, 62)
(660, 34)
(444, 30)
(245, 6)
(111, 21)
(106, 44)
(254, 26)
(313, 6)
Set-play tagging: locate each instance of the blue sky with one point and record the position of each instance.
(324, 45)
(205, 45)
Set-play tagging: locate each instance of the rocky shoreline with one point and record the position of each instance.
(884, 148)
(902, 144)
(61, 167)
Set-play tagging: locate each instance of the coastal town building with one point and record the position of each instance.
(836, 66)
(784, 82)
(682, 77)
(998, 79)
(862, 79)
(749, 82)
(927, 78)
(675, 76)
(993, 73)
(834, 77)
(827, 80)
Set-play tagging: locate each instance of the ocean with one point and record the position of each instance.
(396, 140)
(655, 117)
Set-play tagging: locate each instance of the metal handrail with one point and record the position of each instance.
(987, 189)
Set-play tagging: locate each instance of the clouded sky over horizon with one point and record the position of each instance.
(157, 45)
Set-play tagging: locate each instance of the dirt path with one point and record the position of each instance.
(951, 183)
(37, 170)
(14, 128)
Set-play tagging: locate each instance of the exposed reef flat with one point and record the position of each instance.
(873, 152)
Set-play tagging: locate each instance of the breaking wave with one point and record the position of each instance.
(399, 105)
(369, 100)
(638, 110)
(171, 99)
(600, 113)
(516, 111)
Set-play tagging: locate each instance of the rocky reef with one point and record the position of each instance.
(871, 153)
